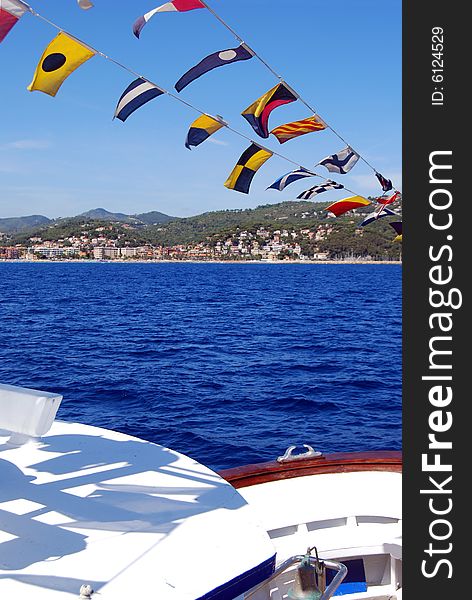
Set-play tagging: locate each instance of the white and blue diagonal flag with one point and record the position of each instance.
(319, 189)
(282, 182)
(135, 95)
(386, 212)
(341, 162)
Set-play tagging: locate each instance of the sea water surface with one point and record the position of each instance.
(228, 363)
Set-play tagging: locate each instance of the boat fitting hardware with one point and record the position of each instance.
(319, 568)
(86, 592)
(310, 578)
(341, 572)
(310, 453)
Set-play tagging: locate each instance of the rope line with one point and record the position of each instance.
(185, 102)
(281, 79)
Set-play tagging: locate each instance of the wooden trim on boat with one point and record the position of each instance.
(339, 462)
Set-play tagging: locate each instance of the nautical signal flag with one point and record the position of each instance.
(174, 6)
(385, 183)
(396, 196)
(397, 225)
(341, 162)
(292, 130)
(319, 189)
(62, 56)
(135, 95)
(10, 12)
(201, 129)
(257, 114)
(210, 62)
(282, 182)
(249, 162)
(342, 206)
(386, 212)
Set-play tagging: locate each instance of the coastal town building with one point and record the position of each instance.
(10, 253)
(51, 252)
(107, 243)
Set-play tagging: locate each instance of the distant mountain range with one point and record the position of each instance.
(12, 225)
(17, 224)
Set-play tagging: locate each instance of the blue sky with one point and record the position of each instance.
(62, 156)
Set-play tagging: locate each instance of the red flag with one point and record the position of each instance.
(175, 5)
(10, 12)
(341, 206)
(390, 200)
(183, 5)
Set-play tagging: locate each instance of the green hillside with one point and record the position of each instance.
(340, 237)
(14, 224)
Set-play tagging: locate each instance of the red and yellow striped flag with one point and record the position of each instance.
(291, 130)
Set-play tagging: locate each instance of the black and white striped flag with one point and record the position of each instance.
(319, 189)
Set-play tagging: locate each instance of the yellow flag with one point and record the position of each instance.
(201, 129)
(250, 160)
(62, 56)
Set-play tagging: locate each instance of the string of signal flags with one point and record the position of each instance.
(65, 53)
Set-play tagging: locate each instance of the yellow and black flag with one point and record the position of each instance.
(62, 56)
(249, 162)
(201, 129)
(398, 226)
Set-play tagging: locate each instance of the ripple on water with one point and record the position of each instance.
(227, 363)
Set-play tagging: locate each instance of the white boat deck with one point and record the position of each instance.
(345, 515)
(336, 512)
(84, 505)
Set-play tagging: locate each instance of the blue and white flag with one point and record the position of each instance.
(386, 212)
(342, 162)
(135, 95)
(319, 189)
(217, 59)
(289, 178)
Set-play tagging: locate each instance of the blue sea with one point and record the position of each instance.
(228, 363)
